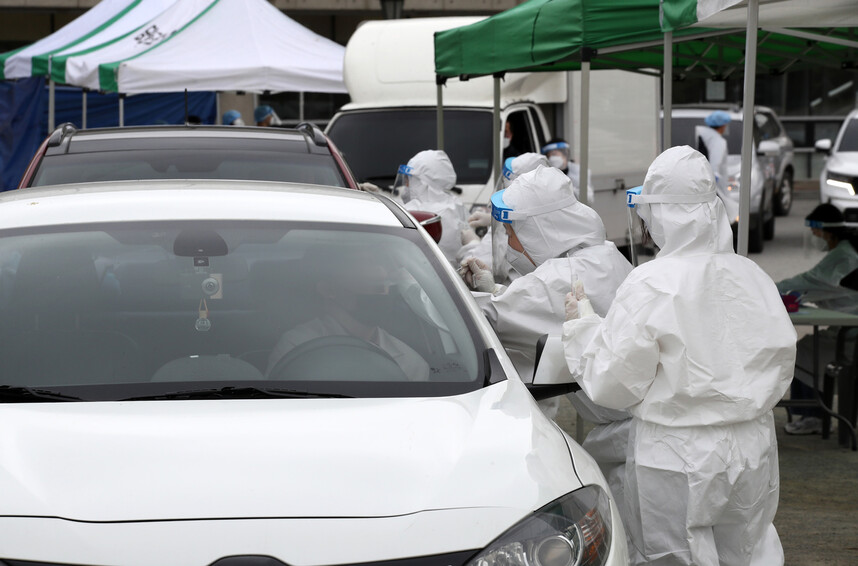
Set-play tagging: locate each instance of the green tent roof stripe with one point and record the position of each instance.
(107, 72)
(3, 58)
(40, 62)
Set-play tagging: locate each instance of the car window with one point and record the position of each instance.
(767, 126)
(211, 163)
(522, 140)
(849, 140)
(294, 305)
(375, 144)
(682, 133)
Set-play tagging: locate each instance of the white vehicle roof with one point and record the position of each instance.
(129, 201)
(392, 63)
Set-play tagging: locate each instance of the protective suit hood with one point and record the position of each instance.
(682, 173)
(556, 222)
(527, 162)
(432, 175)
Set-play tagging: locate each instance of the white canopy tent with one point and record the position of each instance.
(244, 45)
(106, 21)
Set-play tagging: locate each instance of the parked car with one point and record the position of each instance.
(768, 158)
(838, 181)
(234, 372)
(301, 155)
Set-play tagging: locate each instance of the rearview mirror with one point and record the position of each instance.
(823, 146)
(551, 376)
(769, 148)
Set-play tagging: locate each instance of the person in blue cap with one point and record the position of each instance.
(232, 118)
(712, 144)
(265, 116)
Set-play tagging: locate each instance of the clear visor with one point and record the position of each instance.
(403, 179)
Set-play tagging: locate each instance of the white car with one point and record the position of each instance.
(763, 170)
(250, 373)
(838, 181)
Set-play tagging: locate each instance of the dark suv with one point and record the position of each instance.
(300, 155)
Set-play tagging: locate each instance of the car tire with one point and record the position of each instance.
(756, 239)
(784, 196)
(769, 229)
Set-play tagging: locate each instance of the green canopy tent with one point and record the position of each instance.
(693, 37)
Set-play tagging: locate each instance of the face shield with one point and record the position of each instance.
(641, 203)
(402, 181)
(814, 243)
(557, 154)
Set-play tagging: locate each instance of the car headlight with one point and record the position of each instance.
(842, 182)
(574, 530)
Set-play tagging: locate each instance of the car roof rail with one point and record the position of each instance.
(313, 132)
(61, 133)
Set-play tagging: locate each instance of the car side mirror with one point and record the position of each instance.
(551, 376)
(430, 221)
(768, 148)
(823, 146)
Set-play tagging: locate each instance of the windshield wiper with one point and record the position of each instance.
(236, 393)
(11, 394)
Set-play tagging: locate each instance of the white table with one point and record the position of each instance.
(816, 317)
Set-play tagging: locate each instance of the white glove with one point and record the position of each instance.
(577, 303)
(369, 187)
(480, 219)
(477, 275)
(468, 236)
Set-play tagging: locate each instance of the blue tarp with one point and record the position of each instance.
(24, 116)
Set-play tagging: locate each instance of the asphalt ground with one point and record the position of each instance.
(817, 517)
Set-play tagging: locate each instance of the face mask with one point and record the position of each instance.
(818, 244)
(519, 261)
(506, 142)
(557, 161)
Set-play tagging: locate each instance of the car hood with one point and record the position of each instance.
(844, 163)
(154, 460)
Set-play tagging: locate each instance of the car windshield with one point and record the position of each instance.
(682, 133)
(849, 141)
(174, 163)
(128, 310)
(376, 143)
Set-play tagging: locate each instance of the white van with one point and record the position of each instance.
(389, 73)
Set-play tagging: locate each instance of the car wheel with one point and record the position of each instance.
(755, 239)
(769, 229)
(783, 198)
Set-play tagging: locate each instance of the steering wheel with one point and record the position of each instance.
(337, 358)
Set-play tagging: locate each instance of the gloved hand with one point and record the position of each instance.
(480, 219)
(577, 303)
(468, 236)
(369, 187)
(477, 275)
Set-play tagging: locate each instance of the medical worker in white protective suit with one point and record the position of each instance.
(699, 347)
(425, 184)
(552, 240)
(712, 144)
(481, 248)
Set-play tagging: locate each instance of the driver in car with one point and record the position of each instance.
(344, 285)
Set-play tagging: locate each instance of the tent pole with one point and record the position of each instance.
(121, 110)
(667, 92)
(83, 109)
(439, 113)
(51, 106)
(584, 124)
(748, 126)
(496, 132)
(301, 106)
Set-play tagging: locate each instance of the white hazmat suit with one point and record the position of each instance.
(716, 146)
(430, 178)
(699, 347)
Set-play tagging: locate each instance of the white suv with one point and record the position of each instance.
(222, 372)
(771, 167)
(838, 181)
